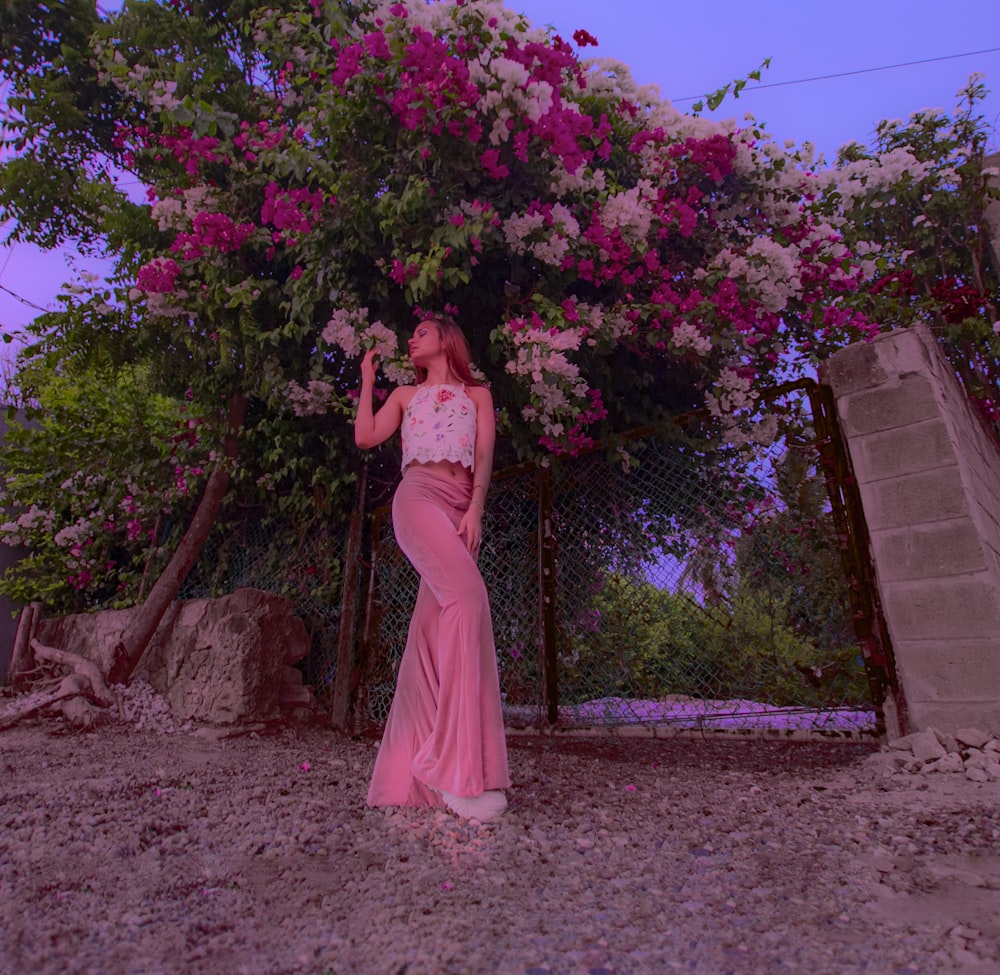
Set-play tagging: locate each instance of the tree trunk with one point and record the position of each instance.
(21, 661)
(134, 641)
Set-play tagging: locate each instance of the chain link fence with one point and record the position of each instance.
(686, 581)
(691, 581)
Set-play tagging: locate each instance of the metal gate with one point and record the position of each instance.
(685, 581)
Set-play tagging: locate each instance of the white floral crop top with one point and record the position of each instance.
(440, 424)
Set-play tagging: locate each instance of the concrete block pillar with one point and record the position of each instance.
(928, 472)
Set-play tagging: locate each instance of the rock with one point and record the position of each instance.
(976, 759)
(948, 742)
(992, 746)
(926, 746)
(292, 694)
(952, 762)
(292, 675)
(215, 660)
(972, 737)
(296, 699)
(977, 775)
(904, 744)
(993, 770)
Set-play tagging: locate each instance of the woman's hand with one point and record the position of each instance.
(471, 526)
(368, 367)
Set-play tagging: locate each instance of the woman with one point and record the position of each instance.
(444, 742)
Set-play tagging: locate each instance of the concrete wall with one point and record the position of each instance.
(929, 476)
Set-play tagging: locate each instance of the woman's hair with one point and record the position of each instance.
(455, 347)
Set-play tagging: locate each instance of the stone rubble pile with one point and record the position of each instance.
(969, 751)
(141, 706)
(296, 699)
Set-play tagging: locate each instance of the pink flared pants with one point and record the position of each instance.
(445, 728)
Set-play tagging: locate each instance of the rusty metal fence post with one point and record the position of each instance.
(853, 542)
(349, 598)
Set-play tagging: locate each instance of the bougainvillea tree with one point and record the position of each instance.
(308, 176)
(912, 206)
(607, 255)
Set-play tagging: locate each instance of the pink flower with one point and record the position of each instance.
(159, 276)
(491, 163)
(82, 580)
(377, 45)
(348, 64)
(569, 308)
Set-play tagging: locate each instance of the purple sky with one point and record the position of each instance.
(688, 49)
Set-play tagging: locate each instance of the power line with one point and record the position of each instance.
(24, 301)
(846, 74)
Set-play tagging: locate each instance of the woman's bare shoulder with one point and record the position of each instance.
(402, 395)
(481, 396)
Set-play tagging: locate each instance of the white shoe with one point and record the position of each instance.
(485, 807)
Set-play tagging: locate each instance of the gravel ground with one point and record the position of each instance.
(128, 851)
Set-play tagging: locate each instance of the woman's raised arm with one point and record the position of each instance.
(370, 428)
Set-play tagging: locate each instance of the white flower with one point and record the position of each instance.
(517, 227)
(735, 392)
(537, 100)
(551, 251)
(687, 335)
(162, 95)
(344, 329)
(314, 398)
(165, 305)
(769, 268)
(168, 213)
(199, 199)
(629, 211)
(72, 534)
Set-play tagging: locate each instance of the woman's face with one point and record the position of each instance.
(425, 343)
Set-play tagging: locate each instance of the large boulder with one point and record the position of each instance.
(215, 660)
